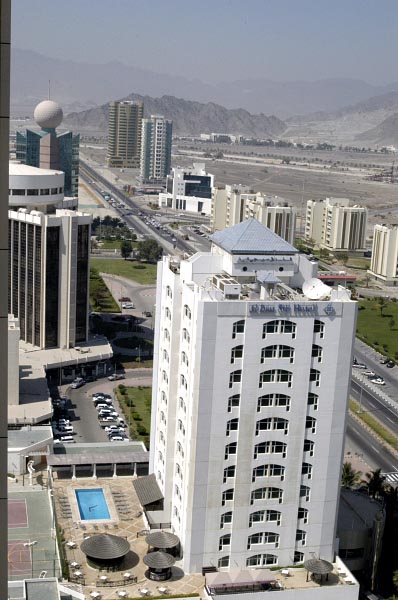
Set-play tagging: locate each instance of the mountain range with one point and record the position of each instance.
(189, 118)
(79, 85)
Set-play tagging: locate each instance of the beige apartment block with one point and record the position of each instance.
(124, 134)
(233, 204)
(333, 224)
(384, 263)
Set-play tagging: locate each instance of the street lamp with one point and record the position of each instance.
(31, 545)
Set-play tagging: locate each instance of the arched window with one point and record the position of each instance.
(226, 519)
(164, 397)
(185, 335)
(298, 557)
(309, 447)
(165, 355)
(238, 327)
(319, 327)
(302, 514)
(181, 427)
(306, 469)
(267, 493)
(167, 312)
(273, 400)
(272, 424)
(305, 492)
(263, 537)
(265, 516)
(225, 540)
(279, 326)
(317, 352)
(184, 358)
(236, 352)
(313, 400)
(230, 449)
(232, 425)
(301, 536)
(276, 376)
(315, 376)
(277, 351)
(235, 377)
(268, 471)
(227, 495)
(310, 423)
(270, 447)
(169, 293)
(261, 560)
(229, 472)
(187, 311)
(223, 562)
(166, 334)
(233, 402)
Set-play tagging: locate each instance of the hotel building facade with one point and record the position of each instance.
(251, 379)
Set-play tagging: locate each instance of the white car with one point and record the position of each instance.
(65, 439)
(111, 428)
(127, 305)
(378, 381)
(118, 438)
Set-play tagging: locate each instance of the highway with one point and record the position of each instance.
(371, 403)
(92, 177)
(373, 453)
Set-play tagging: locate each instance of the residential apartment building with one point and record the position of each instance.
(188, 190)
(251, 379)
(232, 204)
(384, 263)
(48, 149)
(156, 148)
(49, 249)
(333, 224)
(124, 134)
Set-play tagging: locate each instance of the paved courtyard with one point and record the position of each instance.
(127, 522)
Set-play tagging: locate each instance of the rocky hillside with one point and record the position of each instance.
(386, 133)
(189, 118)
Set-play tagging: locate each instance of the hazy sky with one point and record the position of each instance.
(216, 40)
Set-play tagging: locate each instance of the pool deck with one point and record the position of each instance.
(126, 521)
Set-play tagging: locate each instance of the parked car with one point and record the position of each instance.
(384, 360)
(359, 366)
(63, 422)
(125, 299)
(147, 313)
(118, 438)
(378, 381)
(390, 364)
(78, 382)
(68, 428)
(370, 373)
(106, 401)
(111, 428)
(90, 378)
(107, 419)
(116, 376)
(66, 439)
(100, 395)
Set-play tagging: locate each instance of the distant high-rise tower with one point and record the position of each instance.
(48, 150)
(156, 148)
(124, 134)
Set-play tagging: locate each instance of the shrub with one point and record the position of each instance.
(136, 416)
(122, 388)
(141, 429)
(138, 266)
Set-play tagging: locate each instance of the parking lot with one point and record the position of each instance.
(81, 411)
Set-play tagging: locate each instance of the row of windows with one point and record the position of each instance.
(35, 192)
(265, 493)
(260, 560)
(270, 400)
(274, 376)
(268, 447)
(276, 351)
(278, 326)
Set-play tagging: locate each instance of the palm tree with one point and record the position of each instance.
(375, 483)
(350, 477)
(382, 304)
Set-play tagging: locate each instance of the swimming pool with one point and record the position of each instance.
(92, 504)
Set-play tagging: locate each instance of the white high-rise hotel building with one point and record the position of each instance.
(250, 389)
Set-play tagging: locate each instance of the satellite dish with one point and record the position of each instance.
(315, 289)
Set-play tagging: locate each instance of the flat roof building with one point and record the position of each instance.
(384, 263)
(335, 225)
(155, 148)
(124, 134)
(252, 369)
(188, 189)
(233, 204)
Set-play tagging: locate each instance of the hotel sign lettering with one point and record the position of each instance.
(290, 308)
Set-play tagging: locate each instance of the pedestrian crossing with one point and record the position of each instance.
(391, 477)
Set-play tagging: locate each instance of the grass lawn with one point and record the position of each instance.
(143, 273)
(136, 406)
(379, 330)
(113, 244)
(101, 299)
(358, 263)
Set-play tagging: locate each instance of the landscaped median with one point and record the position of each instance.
(369, 421)
(135, 403)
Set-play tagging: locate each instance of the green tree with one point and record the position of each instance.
(350, 477)
(375, 482)
(149, 250)
(382, 302)
(126, 249)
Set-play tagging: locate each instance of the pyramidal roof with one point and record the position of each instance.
(251, 237)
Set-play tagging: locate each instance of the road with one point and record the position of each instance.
(89, 174)
(371, 403)
(371, 358)
(368, 449)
